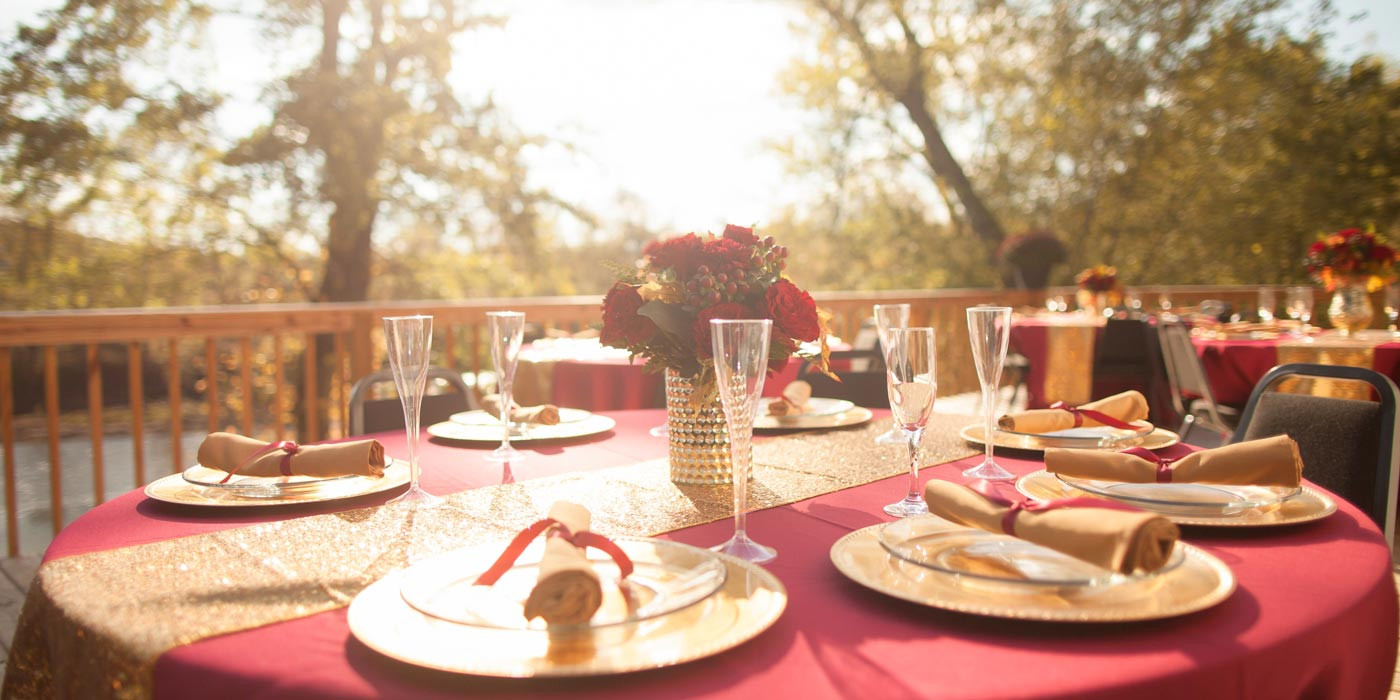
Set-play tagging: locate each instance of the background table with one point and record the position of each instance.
(1060, 349)
(1314, 616)
(1234, 366)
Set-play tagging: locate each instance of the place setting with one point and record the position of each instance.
(562, 601)
(797, 409)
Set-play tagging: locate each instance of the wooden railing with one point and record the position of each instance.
(238, 358)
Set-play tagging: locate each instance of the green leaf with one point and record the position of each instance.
(670, 318)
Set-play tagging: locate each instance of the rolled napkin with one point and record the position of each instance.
(793, 400)
(1104, 533)
(568, 591)
(547, 414)
(248, 457)
(1272, 461)
(1126, 407)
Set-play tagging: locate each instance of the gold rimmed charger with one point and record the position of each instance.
(1199, 582)
(748, 603)
(854, 415)
(479, 426)
(1307, 505)
(1155, 440)
(176, 489)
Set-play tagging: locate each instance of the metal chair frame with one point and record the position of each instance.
(1388, 451)
(360, 393)
(1186, 374)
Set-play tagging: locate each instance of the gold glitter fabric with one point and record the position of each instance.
(1331, 351)
(1069, 363)
(94, 624)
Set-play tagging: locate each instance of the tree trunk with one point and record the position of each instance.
(945, 166)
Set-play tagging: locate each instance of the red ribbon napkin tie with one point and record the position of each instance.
(1164, 465)
(1099, 416)
(287, 446)
(1016, 507)
(578, 539)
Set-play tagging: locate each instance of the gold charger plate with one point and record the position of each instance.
(855, 415)
(1199, 582)
(750, 601)
(458, 429)
(1155, 440)
(1308, 505)
(175, 489)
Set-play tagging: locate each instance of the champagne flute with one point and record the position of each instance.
(1299, 305)
(989, 328)
(909, 375)
(507, 330)
(889, 316)
(741, 363)
(409, 340)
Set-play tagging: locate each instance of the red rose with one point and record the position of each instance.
(623, 327)
(793, 311)
(721, 252)
(1382, 253)
(729, 309)
(1317, 247)
(1349, 232)
(740, 234)
(682, 253)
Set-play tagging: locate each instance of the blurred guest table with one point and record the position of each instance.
(1314, 614)
(1060, 349)
(1235, 364)
(583, 373)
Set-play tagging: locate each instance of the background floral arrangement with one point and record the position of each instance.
(661, 311)
(1032, 248)
(1348, 255)
(1099, 278)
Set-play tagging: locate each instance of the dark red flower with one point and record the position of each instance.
(1382, 253)
(740, 234)
(720, 253)
(701, 329)
(794, 311)
(682, 253)
(623, 327)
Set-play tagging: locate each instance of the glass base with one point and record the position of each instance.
(660, 431)
(907, 507)
(893, 436)
(505, 453)
(990, 471)
(744, 548)
(416, 497)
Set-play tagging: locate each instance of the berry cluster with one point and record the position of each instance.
(736, 280)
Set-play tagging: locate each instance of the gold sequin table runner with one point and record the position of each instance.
(94, 624)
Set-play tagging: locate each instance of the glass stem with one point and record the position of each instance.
(739, 456)
(506, 403)
(989, 410)
(411, 432)
(913, 436)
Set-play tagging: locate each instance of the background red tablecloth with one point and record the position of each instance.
(1315, 614)
(1233, 367)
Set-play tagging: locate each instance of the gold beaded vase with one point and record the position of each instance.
(699, 437)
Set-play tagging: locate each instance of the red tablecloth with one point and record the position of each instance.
(618, 385)
(1315, 614)
(1233, 367)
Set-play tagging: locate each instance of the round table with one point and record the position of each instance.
(1314, 615)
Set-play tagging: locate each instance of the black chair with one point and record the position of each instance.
(863, 387)
(1204, 422)
(373, 415)
(1127, 356)
(1348, 446)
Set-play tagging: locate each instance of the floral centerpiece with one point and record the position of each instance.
(1351, 255)
(1026, 258)
(660, 311)
(1099, 288)
(1351, 264)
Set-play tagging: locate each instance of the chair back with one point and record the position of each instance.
(373, 415)
(1347, 446)
(1188, 384)
(866, 387)
(1127, 356)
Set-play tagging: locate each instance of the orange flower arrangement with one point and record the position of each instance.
(1350, 254)
(1099, 278)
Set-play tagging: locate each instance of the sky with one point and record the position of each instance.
(673, 101)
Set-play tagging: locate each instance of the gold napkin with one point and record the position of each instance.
(1118, 540)
(546, 414)
(1127, 406)
(1272, 461)
(793, 400)
(226, 451)
(568, 591)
